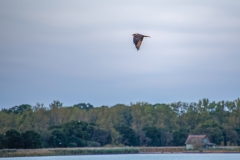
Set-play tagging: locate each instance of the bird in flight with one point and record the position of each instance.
(137, 39)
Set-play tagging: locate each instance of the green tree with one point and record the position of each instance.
(20, 109)
(56, 104)
(212, 130)
(2, 145)
(74, 141)
(32, 139)
(154, 134)
(121, 115)
(58, 139)
(100, 136)
(13, 139)
(238, 133)
(165, 117)
(230, 135)
(220, 112)
(128, 136)
(192, 117)
(82, 132)
(180, 136)
(142, 115)
(84, 106)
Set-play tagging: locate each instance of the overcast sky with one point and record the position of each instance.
(82, 51)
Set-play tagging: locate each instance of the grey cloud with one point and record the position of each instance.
(67, 50)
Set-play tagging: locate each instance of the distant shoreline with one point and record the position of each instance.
(109, 150)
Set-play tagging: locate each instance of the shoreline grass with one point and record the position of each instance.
(108, 150)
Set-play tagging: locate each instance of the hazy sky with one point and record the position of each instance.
(82, 51)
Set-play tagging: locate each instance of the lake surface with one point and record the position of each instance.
(230, 156)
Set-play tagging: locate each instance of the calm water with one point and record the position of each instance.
(138, 157)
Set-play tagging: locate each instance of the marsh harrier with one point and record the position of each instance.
(137, 40)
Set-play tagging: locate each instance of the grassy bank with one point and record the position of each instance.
(161, 149)
(108, 150)
(66, 151)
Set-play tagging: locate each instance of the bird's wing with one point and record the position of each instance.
(136, 38)
(138, 44)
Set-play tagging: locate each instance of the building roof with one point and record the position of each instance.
(198, 139)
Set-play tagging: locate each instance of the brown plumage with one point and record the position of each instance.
(137, 40)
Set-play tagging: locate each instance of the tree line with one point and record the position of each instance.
(136, 124)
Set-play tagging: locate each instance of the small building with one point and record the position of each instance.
(198, 142)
